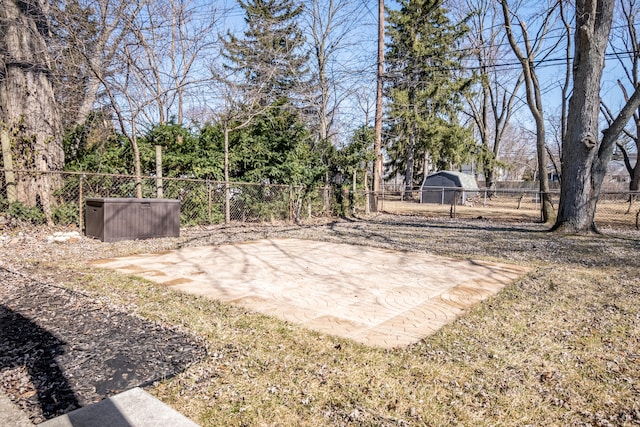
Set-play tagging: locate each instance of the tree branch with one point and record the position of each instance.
(610, 135)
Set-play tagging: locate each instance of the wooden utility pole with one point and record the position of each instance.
(377, 165)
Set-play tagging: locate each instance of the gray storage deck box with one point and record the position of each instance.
(111, 219)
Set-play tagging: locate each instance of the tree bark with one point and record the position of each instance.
(7, 163)
(534, 101)
(27, 103)
(581, 152)
(377, 163)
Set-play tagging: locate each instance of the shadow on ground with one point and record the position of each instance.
(60, 350)
(27, 345)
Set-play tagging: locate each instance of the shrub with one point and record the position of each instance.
(66, 214)
(25, 213)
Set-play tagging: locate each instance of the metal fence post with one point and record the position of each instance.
(291, 203)
(80, 208)
(227, 203)
(209, 201)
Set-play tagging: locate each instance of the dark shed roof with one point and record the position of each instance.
(451, 179)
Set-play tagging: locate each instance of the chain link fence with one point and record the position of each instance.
(619, 210)
(206, 202)
(202, 202)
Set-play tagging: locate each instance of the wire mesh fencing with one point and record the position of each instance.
(202, 202)
(208, 202)
(619, 210)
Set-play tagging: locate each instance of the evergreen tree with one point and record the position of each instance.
(425, 90)
(269, 142)
(270, 57)
(357, 156)
(186, 153)
(274, 149)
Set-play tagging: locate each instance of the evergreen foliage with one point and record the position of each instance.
(359, 153)
(185, 153)
(276, 149)
(424, 90)
(93, 147)
(270, 56)
(275, 145)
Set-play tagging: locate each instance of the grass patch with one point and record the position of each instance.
(558, 347)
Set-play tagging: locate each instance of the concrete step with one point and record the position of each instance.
(132, 408)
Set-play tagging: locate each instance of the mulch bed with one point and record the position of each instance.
(60, 349)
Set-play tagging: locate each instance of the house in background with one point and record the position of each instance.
(617, 177)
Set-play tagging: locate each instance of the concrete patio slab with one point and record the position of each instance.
(375, 296)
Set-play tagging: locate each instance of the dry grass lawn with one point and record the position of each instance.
(515, 207)
(561, 346)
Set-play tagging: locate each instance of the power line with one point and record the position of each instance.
(517, 65)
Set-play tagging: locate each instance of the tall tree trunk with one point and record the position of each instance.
(545, 197)
(585, 159)
(634, 185)
(534, 99)
(426, 165)
(634, 172)
(579, 189)
(377, 164)
(489, 180)
(7, 163)
(27, 104)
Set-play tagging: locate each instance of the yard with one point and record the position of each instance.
(614, 210)
(560, 346)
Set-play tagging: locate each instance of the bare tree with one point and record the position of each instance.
(329, 24)
(168, 41)
(332, 26)
(492, 106)
(377, 164)
(625, 45)
(192, 39)
(154, 63)
(29, 117)
(586, 156)
(565, 86)
(89, 34)
(526, 51)
(558, 123)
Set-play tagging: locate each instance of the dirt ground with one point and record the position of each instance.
(557, 348)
